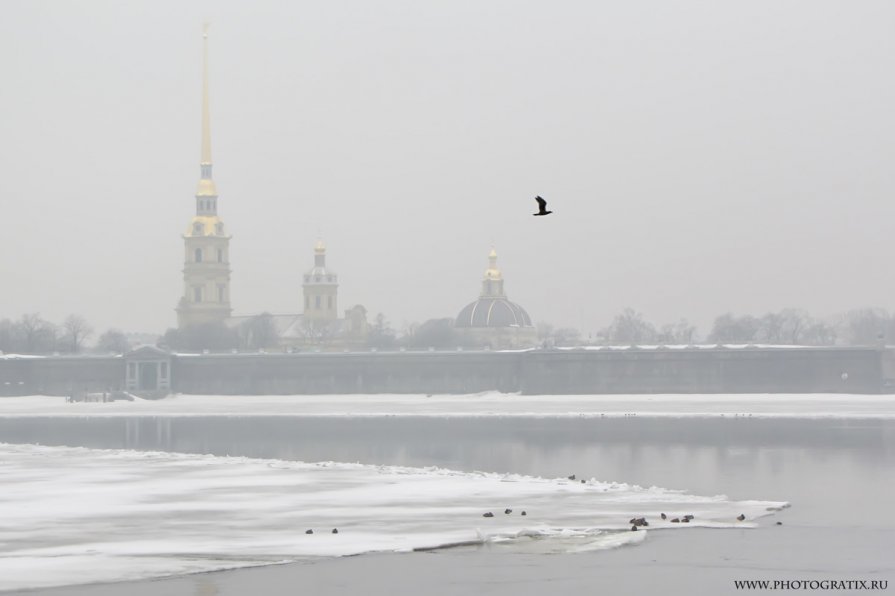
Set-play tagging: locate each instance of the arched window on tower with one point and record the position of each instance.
(329, 302)
(197, 255)
(317, 302)
(220, 255)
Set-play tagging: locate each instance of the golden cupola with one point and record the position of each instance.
(492, 309)
(492, 272)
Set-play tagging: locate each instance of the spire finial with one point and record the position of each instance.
(206, 184)
(206, 118)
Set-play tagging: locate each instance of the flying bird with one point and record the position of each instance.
(542, 207)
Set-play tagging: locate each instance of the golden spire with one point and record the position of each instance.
(319, 247)
(206, 184)
(206, 120)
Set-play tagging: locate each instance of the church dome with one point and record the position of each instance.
(492, 309)
(493, 312)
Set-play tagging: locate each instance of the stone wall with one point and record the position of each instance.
(534, 372)
(718, 370)
(60, 375)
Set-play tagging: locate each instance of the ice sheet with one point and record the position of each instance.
(77, 515)
(484, 404)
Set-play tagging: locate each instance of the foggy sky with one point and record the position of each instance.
(700, 157)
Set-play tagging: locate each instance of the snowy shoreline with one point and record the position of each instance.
(844, 406)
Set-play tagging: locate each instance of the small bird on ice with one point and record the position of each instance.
(542, 207)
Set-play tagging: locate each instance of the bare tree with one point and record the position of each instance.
(381, 334)
(38, 336)
(435, 333)
(9, 339)
(318, 331)
(731, 328)
(630, 327)
(867, 326)
(260, 332)
(818, 333)
(76, 330)
(113, 341)
(681, 332)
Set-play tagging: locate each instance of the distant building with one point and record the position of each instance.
(493, 320)
(206, 269)
(321, 288)
(317, 327)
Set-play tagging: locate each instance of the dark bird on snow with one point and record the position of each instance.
(335, 530)
(572, 477)
(523, 513)
(741, 517)
(542, 207)
(688, 516)
(633, 528)
(779, 523)
(489, 514)
(664, 516)
(675, 521)
(309, 531)
(508, 511)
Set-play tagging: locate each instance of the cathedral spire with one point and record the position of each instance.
(206, 184)
(206, 267)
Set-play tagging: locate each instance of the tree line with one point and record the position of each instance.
(790, 326)
(31, 334)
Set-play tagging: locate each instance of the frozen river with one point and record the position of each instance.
(837, 471)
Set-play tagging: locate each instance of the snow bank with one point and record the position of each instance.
(78, 515)
(486, 404)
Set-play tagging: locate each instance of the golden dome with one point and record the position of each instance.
(206, 188)
(319, 246)
(205, 225)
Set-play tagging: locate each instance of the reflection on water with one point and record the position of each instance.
(851, 461)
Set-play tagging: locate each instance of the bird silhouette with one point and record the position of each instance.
(542, 207)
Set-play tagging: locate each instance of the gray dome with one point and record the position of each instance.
(493, 312)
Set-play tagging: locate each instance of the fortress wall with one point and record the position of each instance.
(535, 372)
(718, 370)
(384, 372)
(60, 375)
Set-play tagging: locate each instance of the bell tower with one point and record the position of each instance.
(320, 287)
(206, 269)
